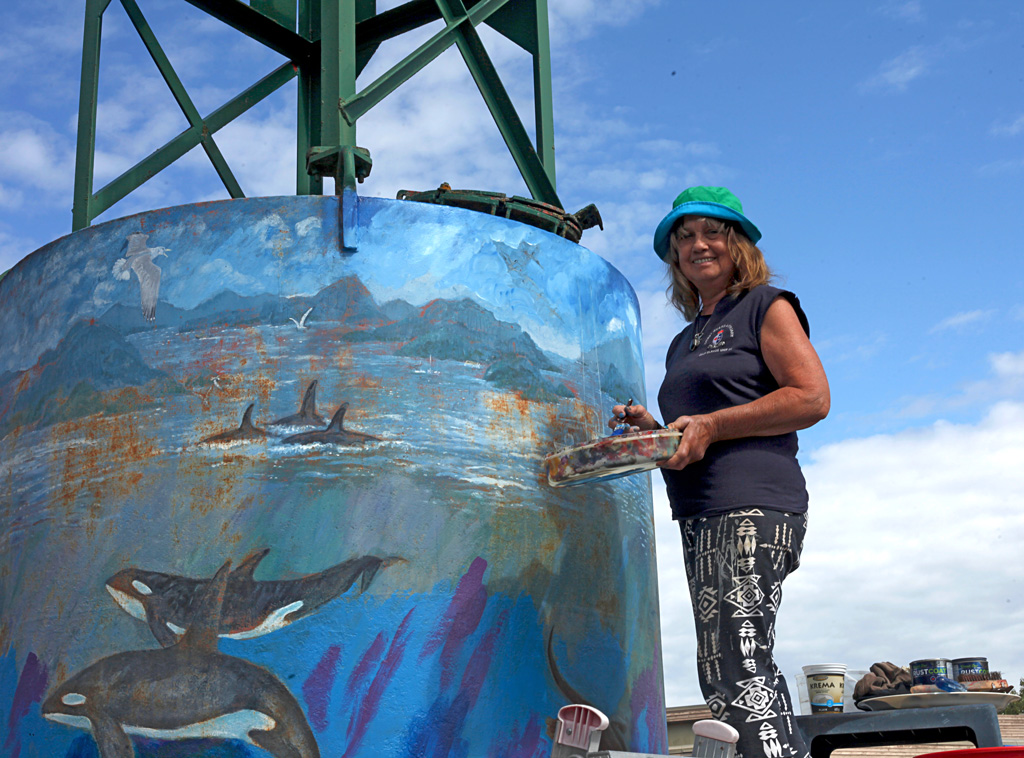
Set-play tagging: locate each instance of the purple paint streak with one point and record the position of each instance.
(646, 697)
(439, 736)
(460, 620)
(526, 745)
(30, 689)
(476, 670)
(388, 667)
(366, 663)
(317, 687)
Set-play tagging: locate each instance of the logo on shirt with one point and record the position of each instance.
(718, 340)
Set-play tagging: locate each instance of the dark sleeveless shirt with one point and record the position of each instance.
(725, 370)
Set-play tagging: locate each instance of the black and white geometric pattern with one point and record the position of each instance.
(735, 564)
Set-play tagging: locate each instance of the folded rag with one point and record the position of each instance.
(883, 679)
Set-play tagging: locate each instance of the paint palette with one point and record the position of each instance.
(610, 457)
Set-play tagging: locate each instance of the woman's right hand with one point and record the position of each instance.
(634, 415)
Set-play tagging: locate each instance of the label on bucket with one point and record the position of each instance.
(825, 691)
(972, 666)
(926, 667)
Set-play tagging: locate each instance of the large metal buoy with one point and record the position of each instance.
(259, 489)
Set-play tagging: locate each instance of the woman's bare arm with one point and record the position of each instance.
(801, 400)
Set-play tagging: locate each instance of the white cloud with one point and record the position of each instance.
(1008, 166)
(571, 19)
(307, 225)
(1005, 382)
(1010, 129)
(897, 73)
(851, 347)
(1008, 365)
(960, 321)
(903, 10)
(27, 145)
(13, 248)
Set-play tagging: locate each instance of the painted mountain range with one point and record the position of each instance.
(94, 369)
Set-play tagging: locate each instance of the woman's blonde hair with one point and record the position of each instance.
(751, 268)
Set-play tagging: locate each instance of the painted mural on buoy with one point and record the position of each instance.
(263, 493)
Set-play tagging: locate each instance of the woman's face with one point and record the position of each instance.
(703, 255)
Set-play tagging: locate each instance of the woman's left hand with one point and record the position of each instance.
(698, 433)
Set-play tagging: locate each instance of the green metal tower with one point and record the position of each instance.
(327, 44)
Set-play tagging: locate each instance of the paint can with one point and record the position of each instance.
(825, 686)
(921, 669)
(972, 666)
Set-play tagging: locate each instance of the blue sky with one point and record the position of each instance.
(879, 146)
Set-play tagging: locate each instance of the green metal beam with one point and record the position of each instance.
(281, 11)
(330, 44)
(526, 24)
(543, 100)
(181, 97)
(259, 27)
(164, 156)
(85, 151)
(500, 105)
(338, 79)
(359, 104)
(308, 117)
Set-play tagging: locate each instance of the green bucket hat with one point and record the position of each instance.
(712, 202)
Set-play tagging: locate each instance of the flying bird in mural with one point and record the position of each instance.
(307, 415)
(139, 258)
(245, 431)
(251, 608)
(334, 434)
(187, 690)
(301, 323)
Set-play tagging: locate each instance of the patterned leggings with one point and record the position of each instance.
(735, 564)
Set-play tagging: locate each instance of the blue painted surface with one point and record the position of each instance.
(408, 580)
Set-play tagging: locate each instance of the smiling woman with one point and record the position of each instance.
(740, 380)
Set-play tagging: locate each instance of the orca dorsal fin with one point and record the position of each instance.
(247, 418)
(247, 567)
(309, 401)
(205, 623)
(338, 421)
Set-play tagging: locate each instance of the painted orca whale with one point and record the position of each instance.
(251, 608)
(307, 415)
(245, 431)
(334, 434)
(187, 690)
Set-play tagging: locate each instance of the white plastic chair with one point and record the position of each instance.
(579, 731)
(714, 739)
(580, 727)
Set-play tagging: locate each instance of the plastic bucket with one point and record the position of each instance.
(825, 686)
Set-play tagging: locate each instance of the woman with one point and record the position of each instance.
(740, 380)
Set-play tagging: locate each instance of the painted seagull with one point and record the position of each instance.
(301, 323)
(307, 415)
(187, 690)
(334, 434)
(251, 608)
(139, 258)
